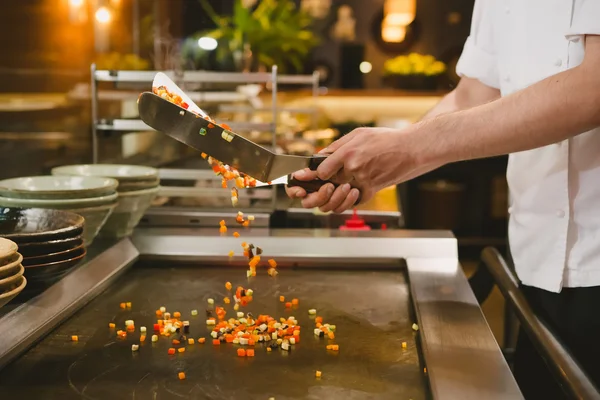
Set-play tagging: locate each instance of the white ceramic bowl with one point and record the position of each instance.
(122, 173)
(129, 212)
(57, 187)
(8, 296)
(59, 204)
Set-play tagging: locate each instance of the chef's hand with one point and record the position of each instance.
(328, 198)
(368, 159)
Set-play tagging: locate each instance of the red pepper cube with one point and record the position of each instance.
(250, 353)
(288, 305)
(171, 351)
(216, 342)
(241, 353)
(156, 327)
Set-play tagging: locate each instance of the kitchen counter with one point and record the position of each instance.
(372, 285)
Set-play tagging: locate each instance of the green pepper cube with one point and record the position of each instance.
(202, 131)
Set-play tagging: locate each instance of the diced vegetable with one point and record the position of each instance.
(318, 374)
(312, 311)
(111, 325)
(155, 338)
(171, 351)
(181, 376)
(134, 347)
(74, 338)
(415, 327)
(216, 342)
(404, 345)
(241, 353)
(123, 305)
(194, 312)
(211, 301)
(176, 314)
(250, 353)
(181, 349)
(142, 338)
(201, 340)
(228, 285)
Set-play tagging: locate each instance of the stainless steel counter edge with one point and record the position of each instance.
(31, 321)
(306, 243)
(462, 357)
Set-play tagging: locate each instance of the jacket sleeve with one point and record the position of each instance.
(478, 59)
(585, 19)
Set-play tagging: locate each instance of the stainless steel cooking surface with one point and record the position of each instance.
(372, 286)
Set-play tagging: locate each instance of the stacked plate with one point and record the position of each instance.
(12, 281)
(93, 198)
(137, 187)
(50, 243)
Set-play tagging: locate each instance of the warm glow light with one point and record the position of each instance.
(76, 3)
(103, 15)
(398, 14)
(207, 43)
(393, 34)
(365, 67)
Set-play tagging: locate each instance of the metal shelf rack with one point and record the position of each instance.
(186, 77)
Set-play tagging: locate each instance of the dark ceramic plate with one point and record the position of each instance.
(36, 271)
(28, 225)
(49, 247)
(54, 257)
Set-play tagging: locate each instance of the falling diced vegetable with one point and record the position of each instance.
(194, 312)
(181, 376)
(415, 327)
(312, 311)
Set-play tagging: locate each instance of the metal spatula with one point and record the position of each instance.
(192, 127)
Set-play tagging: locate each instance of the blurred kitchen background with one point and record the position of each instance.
(68, 90)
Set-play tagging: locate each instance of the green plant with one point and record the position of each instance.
(276, 32)
(414, 64)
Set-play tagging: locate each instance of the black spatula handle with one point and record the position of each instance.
(314, 185)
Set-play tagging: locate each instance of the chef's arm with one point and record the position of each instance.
(550, 111)
(468, 93)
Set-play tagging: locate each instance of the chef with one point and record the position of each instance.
(530, 88)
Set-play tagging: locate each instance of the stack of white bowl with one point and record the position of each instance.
(94, 198)
(12, 281)
(138, 187)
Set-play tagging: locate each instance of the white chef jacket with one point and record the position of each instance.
(554, 222)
